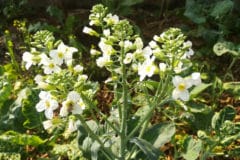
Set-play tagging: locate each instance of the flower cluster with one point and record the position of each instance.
(167, 52)
(61, 84)
(50, 63)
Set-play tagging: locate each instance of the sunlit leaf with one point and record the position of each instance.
(198, 89)
(148, 149)
(192, 148)
(21, 139)
(160, 134)
(227, 113)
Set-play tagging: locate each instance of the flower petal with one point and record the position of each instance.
(176, 94)
(49, 113)
(184, 95)
(40, 106)
(63, 111)
(177, 80)
(77, 109)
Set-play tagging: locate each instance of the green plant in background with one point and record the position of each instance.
(213, 18)
(123, 7)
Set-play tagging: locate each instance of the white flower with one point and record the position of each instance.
(105, 48)
(72, 125)
(103, 61)
(90, 31)
(147, 68)
(153, 44)
(57, 56)
(187, 44)
(188, 54)
(47, 124)
(128, 58)
(111, 19)
(162, 67)
(157, 38)
(181, 88)
(73, 104)
(30, 59)
(196, 78)
(46, 103)
(67, 52)
(38, 78)
(82, 77)
(127, 45)
(138, 43)
(78, 68)
(50, 66)
(94, 52)
(147, 52)
(106, 32)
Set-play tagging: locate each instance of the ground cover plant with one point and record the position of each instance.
(118, 95)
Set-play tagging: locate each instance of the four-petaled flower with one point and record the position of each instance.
(147, 68)
(181, 88)
(47, 104)
(50, 66)
(73, 103)
(30, 59)
(63, 53)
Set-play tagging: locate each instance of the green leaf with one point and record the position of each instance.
(55, 12)
(5, 90)
(86, 146)
(21, 139)
(235, 152)
(221, 8)
(141, 112)
(192, 148)
(198, 89)
(33, 118)
(195, 107)
(194, 12)
(233, 87)
(71, 150)
(227, 113)
(148, 149)
(229, 139)
(160, 134)
(94, 150)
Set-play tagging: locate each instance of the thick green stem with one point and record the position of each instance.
(124, 108)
